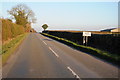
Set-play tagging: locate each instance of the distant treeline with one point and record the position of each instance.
(106, 42)
(10, 30)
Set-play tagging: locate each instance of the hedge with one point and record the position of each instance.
(105, 42)
(112, 58)
(10, 30)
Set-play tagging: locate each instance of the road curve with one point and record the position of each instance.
(42, 57)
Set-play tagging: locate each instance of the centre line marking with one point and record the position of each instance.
(44, 43)
(74, 73)
(54, 52)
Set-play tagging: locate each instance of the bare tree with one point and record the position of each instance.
(22, 14)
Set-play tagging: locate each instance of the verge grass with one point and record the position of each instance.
(9, 48)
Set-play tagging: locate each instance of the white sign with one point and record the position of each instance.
(86, 33)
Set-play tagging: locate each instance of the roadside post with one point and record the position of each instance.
(85, 37)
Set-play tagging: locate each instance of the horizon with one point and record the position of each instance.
(83, 16)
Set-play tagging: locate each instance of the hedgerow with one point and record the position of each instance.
(90, 50)
(10, 30)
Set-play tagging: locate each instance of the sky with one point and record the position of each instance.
(87, 16)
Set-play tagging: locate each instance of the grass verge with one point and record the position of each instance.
(112, 58)
(9, 48)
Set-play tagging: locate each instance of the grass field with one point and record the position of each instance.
(10, 47)
(93, 32)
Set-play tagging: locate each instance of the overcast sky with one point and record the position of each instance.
(70, 15)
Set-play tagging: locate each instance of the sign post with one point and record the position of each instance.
(85, 37)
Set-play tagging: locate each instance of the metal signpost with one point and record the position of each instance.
(85, 37)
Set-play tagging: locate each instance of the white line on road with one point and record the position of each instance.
(54, 52)
(74, 73)
(44, 42)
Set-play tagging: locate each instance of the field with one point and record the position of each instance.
(93, 32)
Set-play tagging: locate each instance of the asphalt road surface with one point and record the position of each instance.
(42, 57)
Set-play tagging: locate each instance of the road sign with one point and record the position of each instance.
(86, 33)
(85, 37)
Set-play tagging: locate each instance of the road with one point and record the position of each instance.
(42, 57)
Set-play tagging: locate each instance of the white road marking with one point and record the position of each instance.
(74, 73)
(54, 52)
(44, 42)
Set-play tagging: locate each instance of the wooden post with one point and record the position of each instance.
(84, 40)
